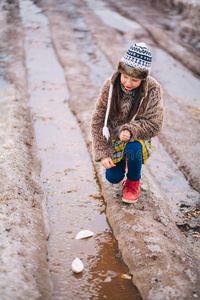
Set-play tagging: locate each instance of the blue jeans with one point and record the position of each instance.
(133, 153)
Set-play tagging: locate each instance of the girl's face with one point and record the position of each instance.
(130, 83)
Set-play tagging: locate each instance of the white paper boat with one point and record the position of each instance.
(84, 234)
(77, 265)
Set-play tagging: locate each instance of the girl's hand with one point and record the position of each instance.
(107, 163)
(125, 135)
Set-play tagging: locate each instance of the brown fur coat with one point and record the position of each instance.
(146, 125)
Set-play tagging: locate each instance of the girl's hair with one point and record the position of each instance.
(115, 107)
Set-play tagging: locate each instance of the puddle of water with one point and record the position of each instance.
(112, 18)
(178, 81)
(3, 86)
(175, 78)
(74, 200)
(171, 180)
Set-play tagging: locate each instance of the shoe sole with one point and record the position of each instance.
(129, 201)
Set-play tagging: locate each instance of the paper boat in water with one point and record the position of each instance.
(77, 265)
(84, 234)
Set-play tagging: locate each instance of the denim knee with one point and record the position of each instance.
(114, 177)
(133, 150)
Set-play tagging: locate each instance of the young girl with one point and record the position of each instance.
(128, 113)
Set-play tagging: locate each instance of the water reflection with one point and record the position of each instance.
(102, 277)
(108, 269)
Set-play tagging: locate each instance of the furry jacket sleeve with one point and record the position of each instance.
(101, 148)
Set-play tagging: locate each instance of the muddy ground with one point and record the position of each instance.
(159, 256)
(24, 224)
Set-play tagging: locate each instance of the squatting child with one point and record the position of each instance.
(128, 113)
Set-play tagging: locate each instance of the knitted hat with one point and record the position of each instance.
(136, 62)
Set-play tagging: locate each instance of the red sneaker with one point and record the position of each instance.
(131, 191)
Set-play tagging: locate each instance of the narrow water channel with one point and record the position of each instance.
(74, 199)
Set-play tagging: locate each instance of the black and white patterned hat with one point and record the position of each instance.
(138, 56)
